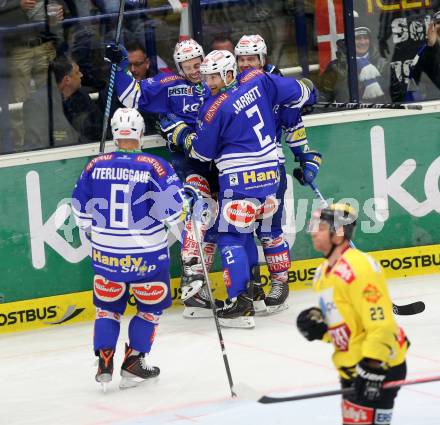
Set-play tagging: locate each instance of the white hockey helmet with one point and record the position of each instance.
(186, 50)
(249, 45)
(219, 62)
(127, 123)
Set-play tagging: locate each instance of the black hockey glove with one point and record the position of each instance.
(369, 381)
(311, 324)
(115, 54)
(309, 166)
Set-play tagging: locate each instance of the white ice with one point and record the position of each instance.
(47, 376)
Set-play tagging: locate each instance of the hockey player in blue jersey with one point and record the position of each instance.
(251, 53)
(125, 201)
(180, 94)
(239, 123)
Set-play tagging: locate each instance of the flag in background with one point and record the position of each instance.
(329, 29)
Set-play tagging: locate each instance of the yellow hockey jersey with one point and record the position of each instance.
(357, 308)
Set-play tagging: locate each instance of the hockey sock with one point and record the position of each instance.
(277, 254)
(141, 331)
(107, 326)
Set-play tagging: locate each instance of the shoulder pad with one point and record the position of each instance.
(210, 113)
(251, 75)
(103, 157)
(344, 270)
(155, 164)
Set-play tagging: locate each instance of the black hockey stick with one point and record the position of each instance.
(213, 307)
(401, 310)
(355, 105)
(111, 83)
(345, 391)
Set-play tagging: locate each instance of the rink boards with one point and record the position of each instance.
(77, 307)
(386, 163)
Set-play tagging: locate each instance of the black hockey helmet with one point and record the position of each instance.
(340, 215)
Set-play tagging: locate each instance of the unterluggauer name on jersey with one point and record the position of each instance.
(106, 173)
(246, 99)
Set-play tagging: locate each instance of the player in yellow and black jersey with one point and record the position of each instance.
(355, 314)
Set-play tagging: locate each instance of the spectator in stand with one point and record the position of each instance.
(73, 117)
(223, 42)
(28, 53)
(428, 58)
(139, 66)
(371, 68)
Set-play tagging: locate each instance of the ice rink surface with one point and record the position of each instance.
(47, 376)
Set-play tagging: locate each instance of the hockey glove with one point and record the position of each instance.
(309, 166)
(311, 324)
(115, 54)
(369, 381)
(178, 134)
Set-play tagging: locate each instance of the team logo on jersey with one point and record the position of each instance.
(106, 157)
(344, 271)
(240, 213)
(180, 90)
(171, 78)
(190, 107)
(210, 114)
(107, 290)
(150, 293)
(233, 179)
(371, 293)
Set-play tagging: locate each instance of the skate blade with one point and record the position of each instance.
(104, 387)
(190, 290)
(273, 309)
(260, 307)
(243, 322)
(133, 381)
(197, 312)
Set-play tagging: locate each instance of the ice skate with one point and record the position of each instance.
(239, 313)
(105, 367)
(134, 369)
(258, 293)
(199, 306)
(276, 300)
(192, 278)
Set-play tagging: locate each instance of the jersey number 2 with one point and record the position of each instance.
(259, 126)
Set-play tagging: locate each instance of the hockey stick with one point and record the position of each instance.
(345, 391)
(111, 83)
(213, 307)
(401, 310)
(354, 105)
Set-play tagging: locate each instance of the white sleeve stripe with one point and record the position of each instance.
(196, 155)
(295, 144)
(305, 95)
(127, 91)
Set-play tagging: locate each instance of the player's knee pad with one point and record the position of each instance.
(277, 254)
(151, 296)
(109, 295)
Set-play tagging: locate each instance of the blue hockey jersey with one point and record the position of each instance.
(241, 128)
(124, 200)
(163, 93)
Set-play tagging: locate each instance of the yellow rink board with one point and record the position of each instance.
(78, 307)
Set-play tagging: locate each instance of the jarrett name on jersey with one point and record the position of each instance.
(357, 308)
(123, 200)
